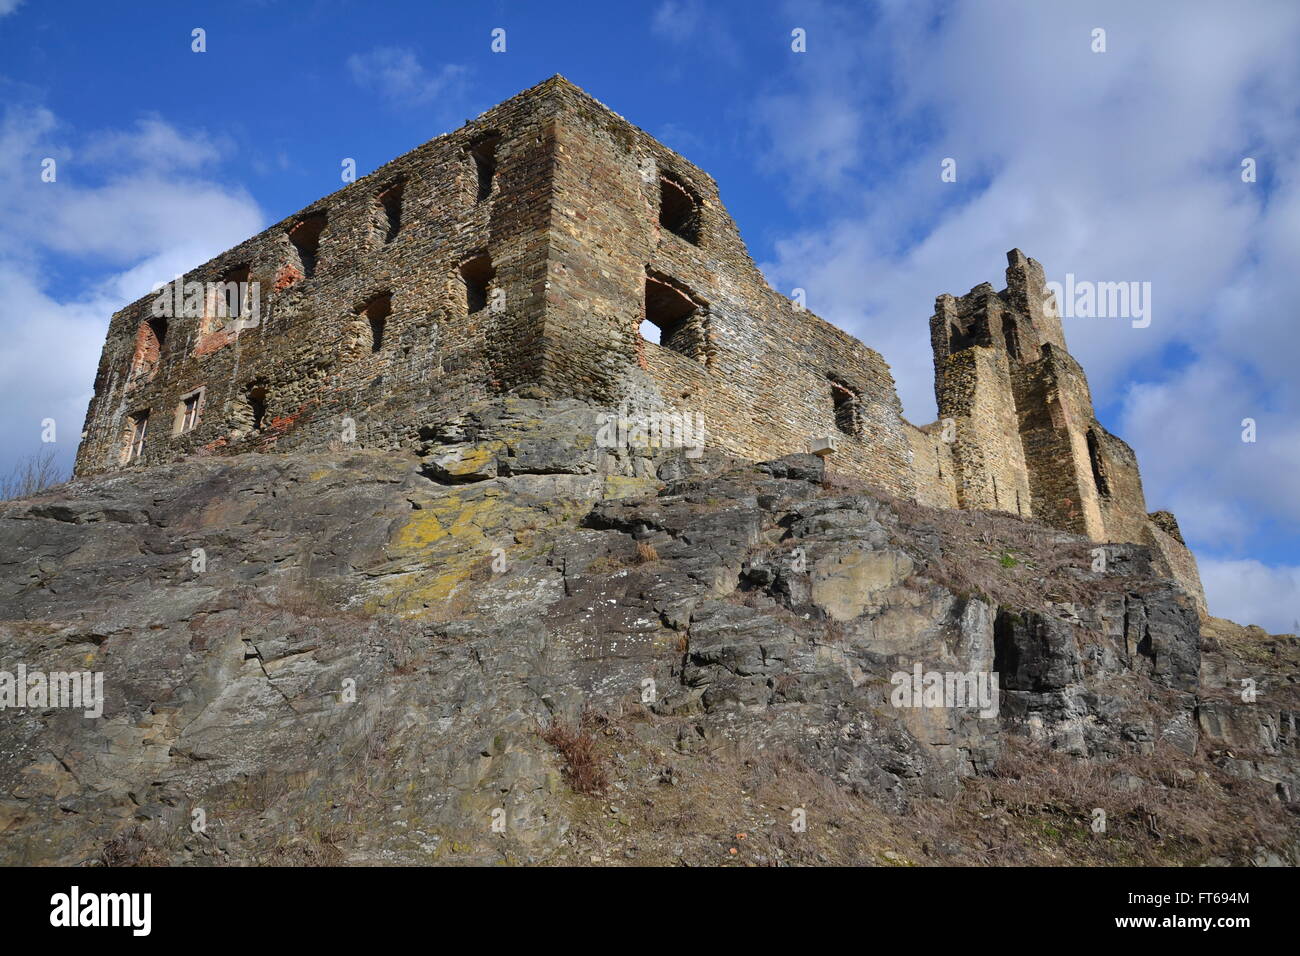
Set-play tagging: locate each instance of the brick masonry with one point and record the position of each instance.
(526, 249)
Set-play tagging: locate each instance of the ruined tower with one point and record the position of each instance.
(526, 250)
(1023, 433)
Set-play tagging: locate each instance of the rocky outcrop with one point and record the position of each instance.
(360, 657)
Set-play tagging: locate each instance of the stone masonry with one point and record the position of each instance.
(524, 251)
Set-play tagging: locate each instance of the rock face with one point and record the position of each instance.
(517, 645)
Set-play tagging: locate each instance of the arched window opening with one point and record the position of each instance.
(158, 325)
(304, 238)
(257, 402)
(679, 208)
(484, 155)
(149, 341)
(376, 313)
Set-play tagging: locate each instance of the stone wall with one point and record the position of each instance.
(763, 374)
(312, 359)
(986, 449)
(1055, 413)
(1172, 556)
(933, 467)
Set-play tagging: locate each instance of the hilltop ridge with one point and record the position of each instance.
(510, 644)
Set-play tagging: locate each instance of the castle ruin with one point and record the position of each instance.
(526, 249)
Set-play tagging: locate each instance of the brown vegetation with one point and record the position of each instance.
(583, 765)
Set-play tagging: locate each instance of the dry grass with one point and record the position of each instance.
(645, 553)
(836, 632)
(685, 797)
(1007, 560)
(709, 800)
(1182, 810)
(584, 767)
(134, 847)
(31, 475)
(606, 564)
(309, 847)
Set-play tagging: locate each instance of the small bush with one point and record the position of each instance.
(836, 632)
(31, 475)
(583, 766)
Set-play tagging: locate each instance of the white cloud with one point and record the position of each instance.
(127, 210)
(128, 195)
(134, 217)
(48, 364)
(154, 145)
(816, 134)
(1113, 166)
(1249, 592)
(395, 74)
(8, 6)
(1202, 469)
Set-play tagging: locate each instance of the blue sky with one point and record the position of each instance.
(1122, 165)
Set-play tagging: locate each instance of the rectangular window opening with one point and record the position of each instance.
(390, 205)
(305, 239)
(187, 412)
(477, 274)
(680, 319)
(376, 312)
(135, 435)
(846, 404)
(484, 155)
